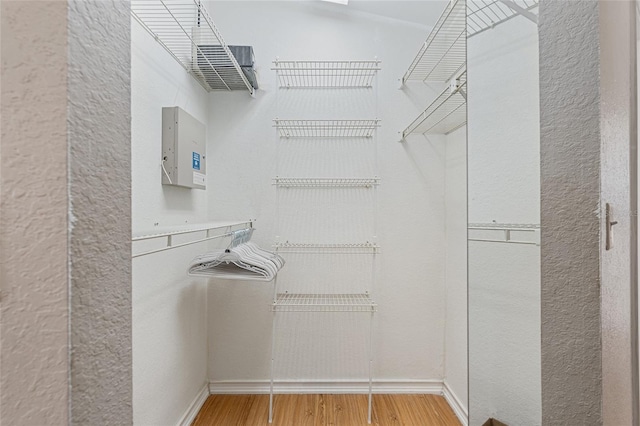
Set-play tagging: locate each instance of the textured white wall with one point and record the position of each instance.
(34, 362)
(99, 126)
(504, 176)
(409, 325)
(570, 200)
(455, 347)
(66, 342)
(169, 308)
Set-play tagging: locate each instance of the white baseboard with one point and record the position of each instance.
(330, 387)
(455, 403)
(195, 407)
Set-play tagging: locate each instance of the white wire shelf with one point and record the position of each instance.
(446, 114)
(483, 15)
(444, 52)
(289, 302)
(514, 233)
(289, 182)
(326, 128)
(326, 74)
(212, 230)
(185, 29)
(352, 248)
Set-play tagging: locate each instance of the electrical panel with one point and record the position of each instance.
(183, 149)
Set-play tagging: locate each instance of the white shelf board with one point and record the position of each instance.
(212, 230)
(326, 128)
(512, 233)
(166, 231)
(505, 226)
(326, 74)
(444, 52)
(289, 302)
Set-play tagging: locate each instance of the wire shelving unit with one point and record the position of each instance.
(445, 114)
(444, 52)
(185, 29)
(290, 302)
(295, 182)
(327, 296)
(326, 74)
(514, 233)
(326, 128)
(484, 15)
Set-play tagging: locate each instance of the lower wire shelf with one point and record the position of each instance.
(445, 114)
(298, 302)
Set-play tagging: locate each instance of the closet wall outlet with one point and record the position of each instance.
(183, 149)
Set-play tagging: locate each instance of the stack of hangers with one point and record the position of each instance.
(242, 260)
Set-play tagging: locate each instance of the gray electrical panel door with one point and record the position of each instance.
(183, 149)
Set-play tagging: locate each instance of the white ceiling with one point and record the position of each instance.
(424, 12)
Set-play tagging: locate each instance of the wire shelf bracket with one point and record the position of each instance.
(341, 129)
(483, 15)
(290, 302)
(326, 74)
(444, 52)
(185, 29)
(445, 114)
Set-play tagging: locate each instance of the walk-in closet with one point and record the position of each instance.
(335, 212)
(319, 212)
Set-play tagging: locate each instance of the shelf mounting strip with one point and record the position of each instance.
(528, 233)
(211, 231)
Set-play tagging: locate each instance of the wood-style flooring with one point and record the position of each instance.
(325, 410)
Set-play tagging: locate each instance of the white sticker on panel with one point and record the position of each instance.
(199, 178)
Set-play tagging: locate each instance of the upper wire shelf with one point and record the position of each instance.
(318, 248)
(290, 302)
(483, 15)
(446, 114)
(326, 128)
(326, 74)
(444, 52)
(289, 182)
(185, 29)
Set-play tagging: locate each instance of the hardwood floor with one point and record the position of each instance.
(325, 410)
